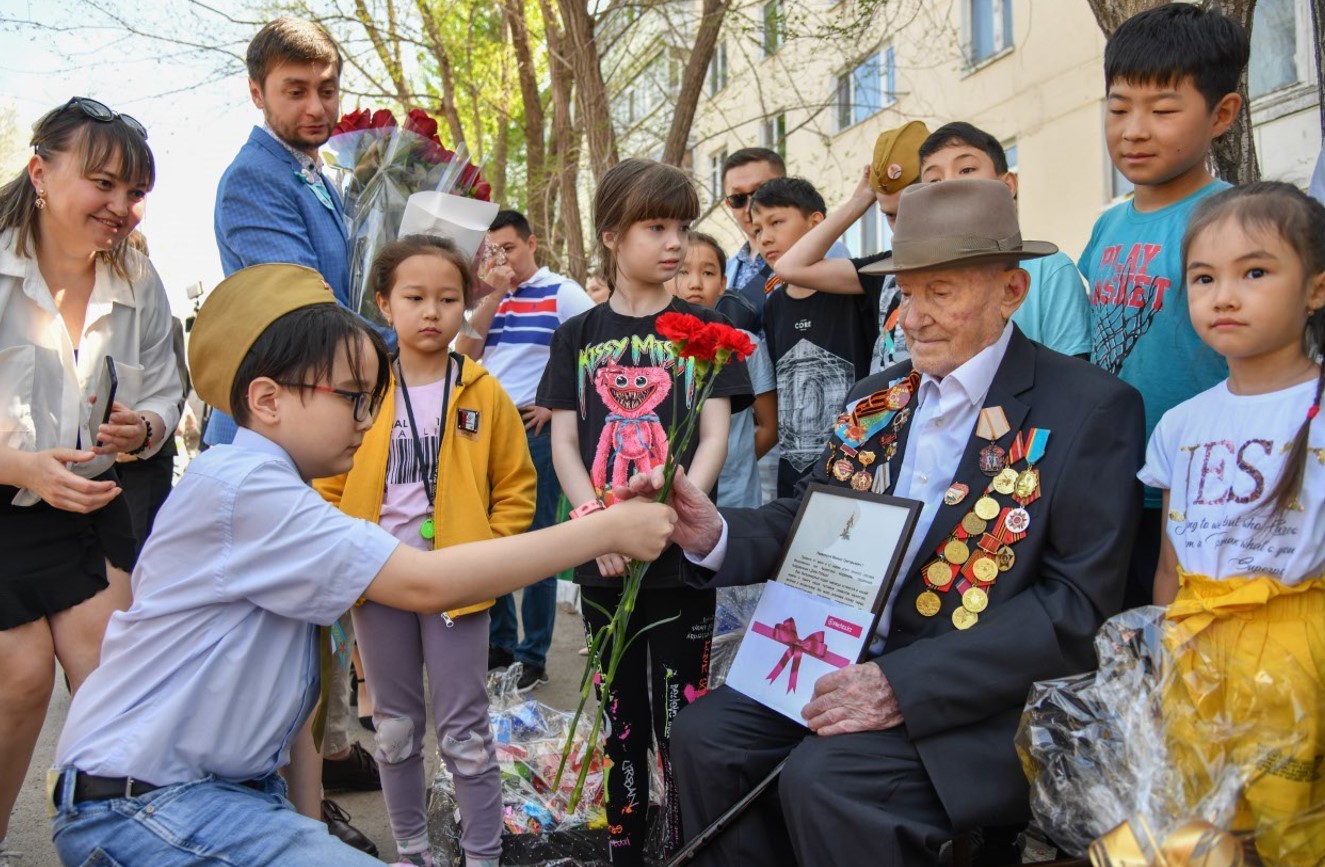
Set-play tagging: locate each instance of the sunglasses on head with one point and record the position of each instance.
(103, 113)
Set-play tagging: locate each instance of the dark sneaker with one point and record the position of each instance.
(356, 772)
(338, 823)
(499, 658)
(530, 678)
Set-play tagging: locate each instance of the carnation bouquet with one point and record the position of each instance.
(380, 166)
(700, 349)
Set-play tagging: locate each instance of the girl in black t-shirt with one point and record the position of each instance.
(614, 385)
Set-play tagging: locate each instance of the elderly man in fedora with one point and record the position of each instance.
(1025, 461)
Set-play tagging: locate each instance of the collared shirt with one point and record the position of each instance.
(214, 668)
(312, 166)
(516, 349)
(45, 376)
(945, 415)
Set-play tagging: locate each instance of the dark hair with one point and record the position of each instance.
(1276, 208)
(962, 133)
(745, 156)
(382, 276)
(795, 193)
(290, 40)
(1164, 45)
(701, 238)
(101, 146)
(515, 220)
(637, 189)
(302, 346)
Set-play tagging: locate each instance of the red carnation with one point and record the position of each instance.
(701, 347)
(483, 191)
(679, 327)
(734, 340)
(353, 121)
(383, 118)
(418, 121)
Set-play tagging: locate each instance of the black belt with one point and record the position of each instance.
(88, 787)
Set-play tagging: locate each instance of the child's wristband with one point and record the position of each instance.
(586, 509)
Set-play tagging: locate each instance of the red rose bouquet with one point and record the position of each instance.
(701, 350)
(379, 165)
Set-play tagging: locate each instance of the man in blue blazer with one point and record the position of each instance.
(274, 205)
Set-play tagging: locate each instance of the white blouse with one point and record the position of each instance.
(43, 387)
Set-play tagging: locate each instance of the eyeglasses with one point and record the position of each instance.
(103, 113)
(737, 201)
(365, 408)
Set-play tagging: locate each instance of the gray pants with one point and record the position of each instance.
(395, 647)
(858, 800)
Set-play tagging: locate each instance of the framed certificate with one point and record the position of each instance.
(846, 546)
(820, 610)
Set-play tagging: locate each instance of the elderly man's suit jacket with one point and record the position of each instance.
(961, 692)
(265, 212)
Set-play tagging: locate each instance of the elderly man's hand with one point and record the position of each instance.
(698, 525)
(853, 699)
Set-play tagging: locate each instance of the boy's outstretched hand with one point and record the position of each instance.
(698, 524)
(642, 529)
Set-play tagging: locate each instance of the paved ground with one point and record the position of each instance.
(29, 829)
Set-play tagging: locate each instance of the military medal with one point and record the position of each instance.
(956, 552)
(984, 569)
(897, 397)
(1028, 485)
(955, 494)
(928, 603)
(986, 508)
(842, 470)
(964, 618)
(938, 575)
(973, 524)
(992, 425)
(1005, 558)
(975, 600)
(1017, 520)
(1006, 481)
(861, 481)
(865, 458)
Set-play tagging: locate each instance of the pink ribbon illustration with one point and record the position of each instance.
(814, 644)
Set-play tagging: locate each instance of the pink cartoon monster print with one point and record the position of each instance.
(633, 438)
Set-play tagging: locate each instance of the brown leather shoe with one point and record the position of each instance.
(338, 823)
(356, 772)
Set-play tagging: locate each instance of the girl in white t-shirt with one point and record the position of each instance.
(1242, 567)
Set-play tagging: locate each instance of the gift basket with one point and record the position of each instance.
(1176, 753)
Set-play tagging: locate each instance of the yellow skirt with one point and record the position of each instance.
(1249, 655)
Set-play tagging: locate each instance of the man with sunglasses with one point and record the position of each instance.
(274, 205)
(742, 173)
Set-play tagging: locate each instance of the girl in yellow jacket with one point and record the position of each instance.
(444, 463)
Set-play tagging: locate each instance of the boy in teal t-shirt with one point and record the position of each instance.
(1172, 77)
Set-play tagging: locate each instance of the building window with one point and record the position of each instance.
(868, 235)
(718, 69)
(716, 162)
(990, 28)
(1010, 151)
(773, 21)
(773, 134)
(867, 89)
(1273, 47)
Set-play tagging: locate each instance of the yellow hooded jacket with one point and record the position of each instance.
(486, 481)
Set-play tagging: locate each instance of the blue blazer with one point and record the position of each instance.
(266, 212)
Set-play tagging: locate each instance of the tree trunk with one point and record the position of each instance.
(692, 80)
(1234, 152)
(433, 31)
(564, 155)
(590, 90)
(537, 181)
(388, 50)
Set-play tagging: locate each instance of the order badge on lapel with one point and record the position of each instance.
(466, 422)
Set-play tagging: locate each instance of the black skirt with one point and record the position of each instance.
(52, 560)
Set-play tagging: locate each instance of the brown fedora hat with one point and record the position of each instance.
(952, 223)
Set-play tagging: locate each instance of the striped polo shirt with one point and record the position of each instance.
(516, 350)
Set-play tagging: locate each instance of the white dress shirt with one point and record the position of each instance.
(945, 414)
(43, 386)
(214, 668)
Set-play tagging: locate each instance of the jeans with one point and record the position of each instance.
(207, 821)
(538, 607)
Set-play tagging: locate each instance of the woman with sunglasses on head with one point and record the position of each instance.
(72, 296)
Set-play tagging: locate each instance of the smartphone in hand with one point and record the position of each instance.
(102, 399)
